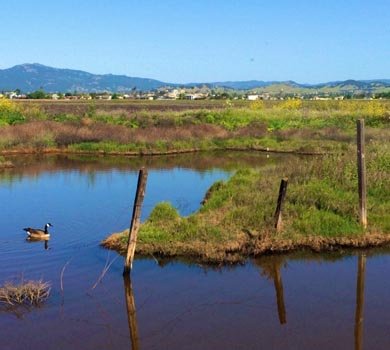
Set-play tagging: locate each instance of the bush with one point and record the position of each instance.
(163, 212)
(10, 113)
(26, 292)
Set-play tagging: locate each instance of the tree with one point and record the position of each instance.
(38, 94)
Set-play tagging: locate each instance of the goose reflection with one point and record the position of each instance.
(131, 312)
(36, 240)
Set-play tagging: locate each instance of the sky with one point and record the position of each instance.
(308, 41)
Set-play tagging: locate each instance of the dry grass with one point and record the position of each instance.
(49, 134)
(24, 293)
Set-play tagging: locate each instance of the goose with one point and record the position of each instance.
(37, 233)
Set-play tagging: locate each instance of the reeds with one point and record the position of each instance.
(24, 293)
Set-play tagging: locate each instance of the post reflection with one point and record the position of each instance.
(279, 294)
(131, 313)
(270, 267)
(360, 302)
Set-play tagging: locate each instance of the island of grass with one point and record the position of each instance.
(236, 219)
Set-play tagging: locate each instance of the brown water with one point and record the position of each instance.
(300, 301)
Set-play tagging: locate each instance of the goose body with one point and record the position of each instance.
(38, 233)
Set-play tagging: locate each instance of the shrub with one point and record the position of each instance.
(10, 113)
(163, 212)
(291, 104)
(26, 292)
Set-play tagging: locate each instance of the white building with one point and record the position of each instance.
(253, 97)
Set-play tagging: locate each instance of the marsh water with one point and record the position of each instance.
(297, 301)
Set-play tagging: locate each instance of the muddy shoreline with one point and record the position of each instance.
(239, 252)
(33, 151)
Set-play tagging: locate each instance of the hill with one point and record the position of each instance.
(31, 77)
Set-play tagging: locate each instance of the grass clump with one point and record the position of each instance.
(24, 293)
(163, 212)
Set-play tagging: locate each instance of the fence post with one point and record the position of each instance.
(135, 220)
(281, 197)
(361, 162)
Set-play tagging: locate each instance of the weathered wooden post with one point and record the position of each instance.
(131, 312)
(360, 302)
(135, 220)
(361, 172)
(281, 197)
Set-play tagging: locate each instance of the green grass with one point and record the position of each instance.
(291, 125)
(237, 215)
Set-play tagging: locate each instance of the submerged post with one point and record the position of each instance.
(281, 197)
(360, 302)
(361, 172)
(135, 220)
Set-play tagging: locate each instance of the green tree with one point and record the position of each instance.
(38, 94)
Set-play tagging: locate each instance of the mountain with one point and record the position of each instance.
(248, 85)
(31, 77)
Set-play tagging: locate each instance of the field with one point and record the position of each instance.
(158, 127)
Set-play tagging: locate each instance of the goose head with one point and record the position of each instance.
(47, 226)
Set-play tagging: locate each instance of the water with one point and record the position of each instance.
(300, 301)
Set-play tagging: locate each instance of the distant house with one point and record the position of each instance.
(104, 97)
(253, 97)
(195, 96)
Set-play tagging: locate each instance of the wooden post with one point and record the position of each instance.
(360, 302)
(281, 197)
(279, 294)
(361, 172)
(135, 220)
(131, 312)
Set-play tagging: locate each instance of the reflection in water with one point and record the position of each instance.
(33, 166)
(279, 294)
(270, 267)
(35, 240)
(131, 312)
(360, 302)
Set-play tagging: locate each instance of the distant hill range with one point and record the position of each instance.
(32, 77)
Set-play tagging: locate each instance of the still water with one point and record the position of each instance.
(299, 301)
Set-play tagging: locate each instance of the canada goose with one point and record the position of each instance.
(37, 233)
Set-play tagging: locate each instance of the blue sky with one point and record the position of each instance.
(204, 40)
